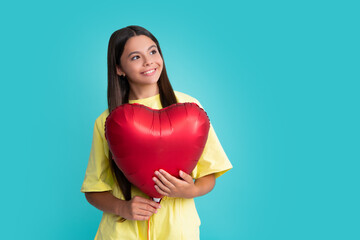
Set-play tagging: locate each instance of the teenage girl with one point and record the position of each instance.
(137, 74)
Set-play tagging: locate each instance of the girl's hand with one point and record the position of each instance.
(170, 186)
(139, 208)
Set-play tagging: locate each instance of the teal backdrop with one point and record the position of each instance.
(279, 80)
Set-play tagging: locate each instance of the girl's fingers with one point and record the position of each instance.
(161, 185)
(185, 176)
(149, 208)
(139, 208)
(145, 213)
(161, 191)
(167, 178)
(154, 204)
(141, 217)
(147, 201)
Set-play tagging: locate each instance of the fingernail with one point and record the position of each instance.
(154, 179)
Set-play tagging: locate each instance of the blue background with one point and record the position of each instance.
(279, 80)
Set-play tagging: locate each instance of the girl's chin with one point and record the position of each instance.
(149, 80)
(144, 83)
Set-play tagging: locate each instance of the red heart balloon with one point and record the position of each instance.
(143, 140)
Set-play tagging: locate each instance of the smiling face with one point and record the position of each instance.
(141, 62)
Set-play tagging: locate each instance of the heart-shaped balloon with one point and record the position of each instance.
(143, 140)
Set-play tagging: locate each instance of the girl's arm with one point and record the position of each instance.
(171, 186)
(137, 208)
(204, 184)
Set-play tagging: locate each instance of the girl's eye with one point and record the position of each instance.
(136, 57)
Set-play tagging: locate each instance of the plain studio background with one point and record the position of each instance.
(279, 80)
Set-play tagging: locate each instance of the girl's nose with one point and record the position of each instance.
(148, 61)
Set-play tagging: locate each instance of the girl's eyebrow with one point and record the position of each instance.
(138, 52)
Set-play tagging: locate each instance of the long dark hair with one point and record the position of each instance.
(119, 88)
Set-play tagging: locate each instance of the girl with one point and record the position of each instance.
(137, 74)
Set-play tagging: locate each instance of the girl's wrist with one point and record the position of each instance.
(119, 207)
(193, 193)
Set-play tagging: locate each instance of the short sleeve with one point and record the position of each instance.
(213, 158)
(98, 176)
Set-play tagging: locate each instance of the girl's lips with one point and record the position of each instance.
(151, 73)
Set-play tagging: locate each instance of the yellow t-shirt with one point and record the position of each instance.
(177, 218)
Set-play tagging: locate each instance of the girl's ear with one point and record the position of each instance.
(119, 71)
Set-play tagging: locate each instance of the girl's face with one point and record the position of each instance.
(141, 62)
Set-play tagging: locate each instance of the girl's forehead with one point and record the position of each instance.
(138, 43)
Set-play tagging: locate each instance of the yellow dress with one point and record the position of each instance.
(178, 217)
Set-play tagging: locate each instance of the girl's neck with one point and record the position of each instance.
(143, 92)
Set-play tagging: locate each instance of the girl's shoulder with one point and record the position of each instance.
(100, 120)
(183, 97)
